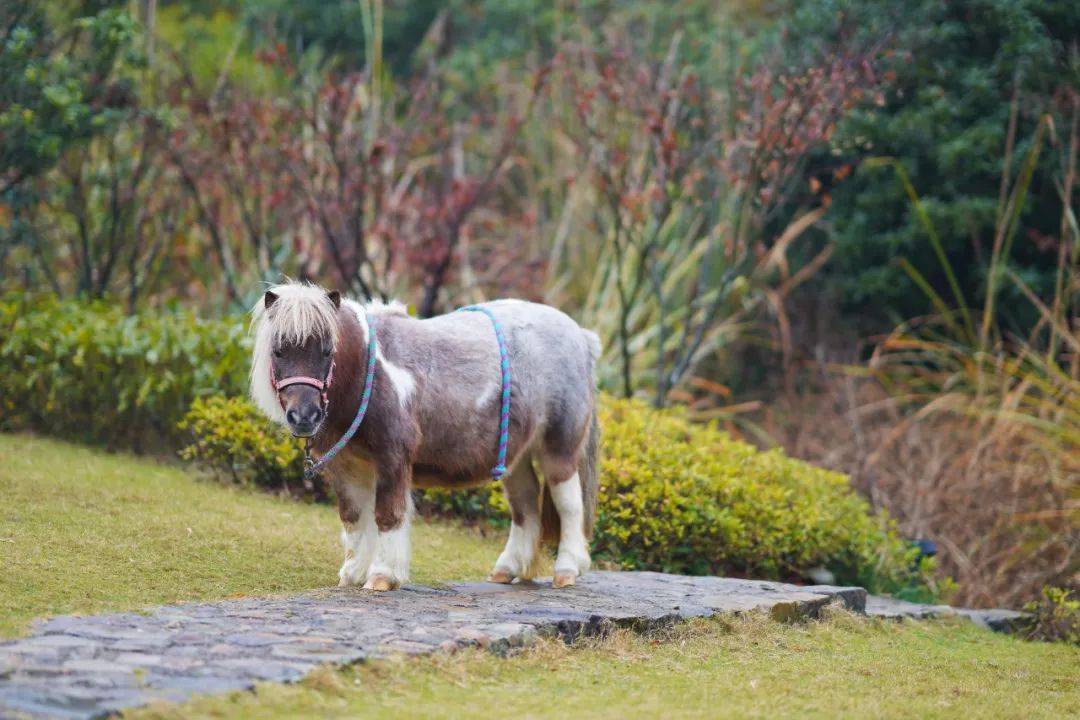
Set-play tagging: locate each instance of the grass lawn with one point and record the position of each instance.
(85, 531)
(743, 667)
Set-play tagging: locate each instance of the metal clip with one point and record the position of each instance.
(310, 471)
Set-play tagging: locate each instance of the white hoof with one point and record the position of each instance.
(498, 575)
(381, 583)
(574, 561)
(564, 578)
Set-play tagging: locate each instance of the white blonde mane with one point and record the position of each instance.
(393, 307)
(301, 310)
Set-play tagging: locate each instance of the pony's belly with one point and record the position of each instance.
(426, 476)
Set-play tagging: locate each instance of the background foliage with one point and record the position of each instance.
(846, 227)
(90, 372)
(967, 84)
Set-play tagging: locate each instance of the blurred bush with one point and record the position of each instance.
(675, 496)
(88, 372)
(965, 85)
(63, 79)
(233, 439)
(1055, 617)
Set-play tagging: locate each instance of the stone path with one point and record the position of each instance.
(84, 667)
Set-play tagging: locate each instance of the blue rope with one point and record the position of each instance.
(504, 416)
(315, 466)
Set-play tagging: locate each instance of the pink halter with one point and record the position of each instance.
(323, 386)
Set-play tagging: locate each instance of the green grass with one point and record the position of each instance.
(83, 531)
(744, 667)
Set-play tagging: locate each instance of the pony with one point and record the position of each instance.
(433, 418)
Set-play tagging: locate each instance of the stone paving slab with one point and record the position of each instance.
(997, 620)
(86, 667)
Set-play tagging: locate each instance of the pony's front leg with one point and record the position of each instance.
(393, 516)
(356, 507)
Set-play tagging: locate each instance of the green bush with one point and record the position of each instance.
(234, 440)
(685, 497)
(486, 503)
(675, 496)
(87, 371)
(951, 70)
(1055, 617)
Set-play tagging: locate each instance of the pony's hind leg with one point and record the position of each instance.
(564, 485)
(519, 558)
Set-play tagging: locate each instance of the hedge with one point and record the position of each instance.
(88, 372)
(675, 496)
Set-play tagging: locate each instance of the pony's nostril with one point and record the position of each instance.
(304, 417)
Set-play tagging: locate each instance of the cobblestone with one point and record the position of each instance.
(85, 667)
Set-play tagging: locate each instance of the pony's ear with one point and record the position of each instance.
(269, 298)
(335, 297)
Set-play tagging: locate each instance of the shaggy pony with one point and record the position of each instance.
(433, 419)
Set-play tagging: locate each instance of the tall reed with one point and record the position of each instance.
(1010, 403)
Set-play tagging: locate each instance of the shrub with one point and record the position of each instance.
(481, 504)
(1055, 617)
(234, 440)
(684, 497)
(675, 496)
(88, 372)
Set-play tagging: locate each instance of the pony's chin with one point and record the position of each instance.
(304, 432)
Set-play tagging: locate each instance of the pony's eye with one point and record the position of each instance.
(277, 353)
(326, 352)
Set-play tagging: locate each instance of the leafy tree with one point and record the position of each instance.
(960, 73)
(59, 87)
(57, 80)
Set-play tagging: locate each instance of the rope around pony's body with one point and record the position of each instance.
(504, 415)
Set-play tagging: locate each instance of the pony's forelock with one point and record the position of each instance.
(300, 312)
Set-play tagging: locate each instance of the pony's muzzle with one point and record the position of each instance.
(303, 410)
(304, 423)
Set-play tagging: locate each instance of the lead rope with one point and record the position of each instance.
(504, 417)
(312, 467)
